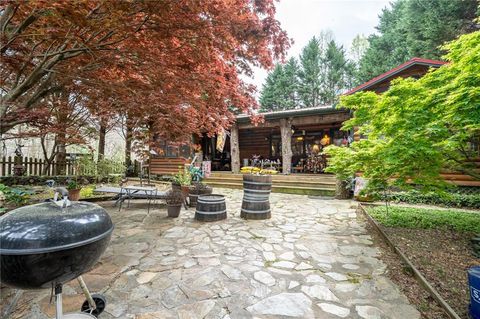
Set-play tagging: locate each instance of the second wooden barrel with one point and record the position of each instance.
(210, 208)
(256, 196)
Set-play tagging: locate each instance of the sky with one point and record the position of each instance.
(303, 19)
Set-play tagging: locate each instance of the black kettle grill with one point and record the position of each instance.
(48, 244)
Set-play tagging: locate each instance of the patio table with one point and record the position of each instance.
(133, 191)
(129, 192)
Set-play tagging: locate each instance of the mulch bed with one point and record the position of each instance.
(442, 256)
(404, 279)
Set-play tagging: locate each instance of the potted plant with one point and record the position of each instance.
(196, 190)
(73, 190)
(174, 201)
(182, 181)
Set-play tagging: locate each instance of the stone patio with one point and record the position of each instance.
(313, 259)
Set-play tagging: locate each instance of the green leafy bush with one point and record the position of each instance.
(409, 217)
(435, 198)
(87, 192)
(103, 168)
(15, 196)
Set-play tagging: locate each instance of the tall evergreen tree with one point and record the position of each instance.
(335, 64)
(415, 28)
(290, 84)
(310, 74)
(280, 91)
(271, 95)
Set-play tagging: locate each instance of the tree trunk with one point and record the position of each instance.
(286, 133)
(128, 146)
(101, 140)
(234, 149)
(61, 157)
(342, 190)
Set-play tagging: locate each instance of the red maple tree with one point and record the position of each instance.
(171, 67)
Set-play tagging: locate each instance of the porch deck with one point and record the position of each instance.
(305, 184)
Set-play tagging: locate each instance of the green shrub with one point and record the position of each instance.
(409, 217)
(87, 191)
(15, 196)
(451, 199)
(103, 168)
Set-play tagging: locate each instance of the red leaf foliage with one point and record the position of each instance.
(172, 67)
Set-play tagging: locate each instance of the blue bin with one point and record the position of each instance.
(474, 286)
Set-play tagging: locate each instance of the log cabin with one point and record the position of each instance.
(290, 141)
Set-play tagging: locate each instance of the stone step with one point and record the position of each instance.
(298, 182)
(276, 188)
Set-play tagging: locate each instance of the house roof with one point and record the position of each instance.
(396, 70)
(318, 110)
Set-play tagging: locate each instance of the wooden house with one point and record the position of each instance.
(290, 140)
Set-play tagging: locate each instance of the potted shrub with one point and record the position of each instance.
(182, 181)
(174, 201)
(196, 190)
(73, 190)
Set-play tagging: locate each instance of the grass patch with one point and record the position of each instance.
(409, 217)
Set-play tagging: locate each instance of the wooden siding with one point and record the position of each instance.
(255, 142)
(166, 165)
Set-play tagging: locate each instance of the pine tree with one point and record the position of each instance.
(310, 74)
(271, 95)
(290, 84)
(415, 28)
(336, 72)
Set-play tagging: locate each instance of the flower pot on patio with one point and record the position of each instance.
(74, 194)
(174, 201)
(173, 210)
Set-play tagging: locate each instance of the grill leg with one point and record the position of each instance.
(86, 292)
(58, 302)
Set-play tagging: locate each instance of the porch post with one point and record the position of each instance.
(286, 133)
(234, 149)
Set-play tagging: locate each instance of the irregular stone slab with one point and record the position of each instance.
(145, 277)
(345, 287)
(232, 273)
(269, 256)
(284, 304)
(196, 310)
(293, 284)
(336, 276)
(334, 309)
(189, 263)
(351, 266)
(315, 279)
(303, 266)
(173, 297)
(303, 254)
(369, 312)
(208, 261)
(284, 264)
(287, 256)
(319, 292)
(264, 278)
(259, 290)
(267, 247)
(204, 280)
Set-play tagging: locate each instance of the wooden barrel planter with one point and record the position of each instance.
(211, 208)
(195, 192)
(256, 194)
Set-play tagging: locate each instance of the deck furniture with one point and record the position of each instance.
(133, 192)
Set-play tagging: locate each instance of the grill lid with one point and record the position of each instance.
(46, 227)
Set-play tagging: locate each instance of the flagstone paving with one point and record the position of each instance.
(312, 259)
